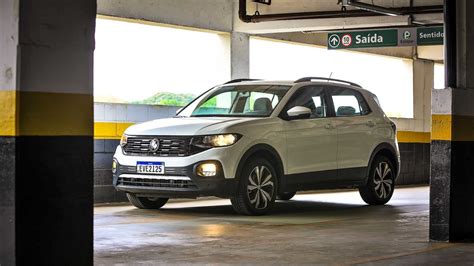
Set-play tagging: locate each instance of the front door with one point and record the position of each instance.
(311, 142)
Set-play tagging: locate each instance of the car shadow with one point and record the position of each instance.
(281, 208)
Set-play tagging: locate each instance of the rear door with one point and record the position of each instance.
(311, 142)
(355, 126)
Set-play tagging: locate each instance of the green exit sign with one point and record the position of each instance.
(362, 39)
(386, 38)
(430, 36)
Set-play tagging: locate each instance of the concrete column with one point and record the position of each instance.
(423, 83)
(46, 132)
(452, 146)
(8, 56)
(239, 55)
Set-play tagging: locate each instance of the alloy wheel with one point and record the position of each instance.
(383, 179)
(260, 188)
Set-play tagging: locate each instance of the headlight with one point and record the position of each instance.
(211, 141)
(114, 166)
(123, 140)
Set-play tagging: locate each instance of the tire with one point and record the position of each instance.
(380, 183)
(256, 192)
(286, 195)
(146, 203)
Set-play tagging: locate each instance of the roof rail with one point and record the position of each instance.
(240, 80)
(307, 79)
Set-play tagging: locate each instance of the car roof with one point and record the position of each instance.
(291, 83)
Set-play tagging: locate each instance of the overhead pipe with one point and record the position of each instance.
(374, 8)
(330, 14)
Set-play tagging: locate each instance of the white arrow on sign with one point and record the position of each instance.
(334, 41)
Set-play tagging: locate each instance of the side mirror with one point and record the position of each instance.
(299, 112)
(179, 110)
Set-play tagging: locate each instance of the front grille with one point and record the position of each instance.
(169, 146)
(156, 183)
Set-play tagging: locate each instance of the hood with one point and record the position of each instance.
(185, 126)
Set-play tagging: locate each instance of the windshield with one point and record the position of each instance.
(242, 100)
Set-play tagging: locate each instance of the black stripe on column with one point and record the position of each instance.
(7, 200)
(54, 200)
(462, 192)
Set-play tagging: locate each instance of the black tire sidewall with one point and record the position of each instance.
(375, 199)
(145, 203)
(244, 181)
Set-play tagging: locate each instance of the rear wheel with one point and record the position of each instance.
(286, 195)
(146, 202)
(381, 182)
(256, 192)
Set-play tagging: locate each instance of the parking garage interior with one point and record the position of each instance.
(57, 137)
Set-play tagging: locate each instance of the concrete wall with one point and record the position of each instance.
(110, 122)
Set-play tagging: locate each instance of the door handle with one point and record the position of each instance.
(371, 123)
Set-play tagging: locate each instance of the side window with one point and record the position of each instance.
(310, 97)
(348, 102)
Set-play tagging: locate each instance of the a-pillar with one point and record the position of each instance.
(452, 146)
(46, 132)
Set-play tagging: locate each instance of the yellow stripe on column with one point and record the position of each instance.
(110, 130)
(55, 114)
(452, 127)
(441, 127)
(413, 137)
(8, 113)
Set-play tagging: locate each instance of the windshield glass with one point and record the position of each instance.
(242, 100)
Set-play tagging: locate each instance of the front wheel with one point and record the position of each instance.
(257, 188)
(146, 203)
(381, 182)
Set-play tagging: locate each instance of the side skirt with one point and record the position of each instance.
(330, 179)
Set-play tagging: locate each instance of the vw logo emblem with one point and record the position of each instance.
(154, 145)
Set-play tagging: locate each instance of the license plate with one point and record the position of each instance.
(151, 167)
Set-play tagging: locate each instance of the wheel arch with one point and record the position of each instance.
(266, 151)
(387, 150)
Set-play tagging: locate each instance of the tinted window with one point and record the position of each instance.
(309, 97)
(349, 102)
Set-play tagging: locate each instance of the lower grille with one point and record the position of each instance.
(169, 171)
(156, 183)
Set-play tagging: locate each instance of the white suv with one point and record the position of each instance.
(258, 141)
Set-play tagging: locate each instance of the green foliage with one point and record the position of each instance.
(168, 98)
(210, 103)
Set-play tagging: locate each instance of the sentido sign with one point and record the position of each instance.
(386, 38)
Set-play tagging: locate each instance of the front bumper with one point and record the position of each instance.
(177, 182)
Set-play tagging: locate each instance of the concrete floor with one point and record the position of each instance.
(321, 228)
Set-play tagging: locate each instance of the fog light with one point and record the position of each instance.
(114, 166)
(206, 169)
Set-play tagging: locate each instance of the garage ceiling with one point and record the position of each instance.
(333, 23)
